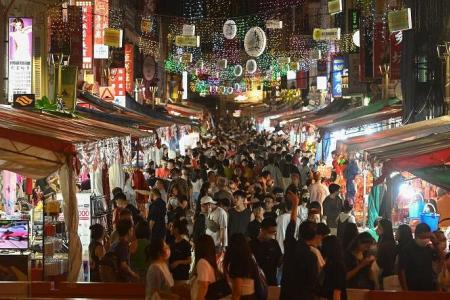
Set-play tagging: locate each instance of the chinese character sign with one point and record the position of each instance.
(101, 22)
(129, 67)
(336, 78)
(87, 36)
(20, 56)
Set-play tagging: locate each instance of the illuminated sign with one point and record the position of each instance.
(187, 41)
(334, 6)
(101, 22)
(118, 83)
(129, 68)
(20, 56)
(329, 34)
(86, 18)
(336, 78)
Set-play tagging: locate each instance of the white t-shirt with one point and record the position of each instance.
(344, 216)
(220, 217)
(204, 273)
(282, 224)
(318, 192)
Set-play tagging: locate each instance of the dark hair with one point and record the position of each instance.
(240, 193)
(268, 222)
(238, 261)
(155, 249)
(156, 192)
(181, 226)
(347, 206)
(388, 232)
(265, 174)
(362, 238)
(123, 227)
(421, 229)
(334, 188)
(323, 229)
(97, 230)
(206, 249)
(332, 250)
(18, 20)
(142, 230)
(350, 233)
(307, 231)
(116, 191)
(120, 196)
(404, 235)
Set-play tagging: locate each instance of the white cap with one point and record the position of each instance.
(206, 200)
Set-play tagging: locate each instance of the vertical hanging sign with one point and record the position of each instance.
(20, 56)
(101, 22)
(396, 39)
(336, 78)
(86, 18)
(129, 67)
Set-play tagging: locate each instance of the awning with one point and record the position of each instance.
(405, 133)
(369, 110)
(185, 111)
(438, 176)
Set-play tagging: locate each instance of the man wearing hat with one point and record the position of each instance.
(216, 223)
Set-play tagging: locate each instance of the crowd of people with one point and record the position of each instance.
(242, 212)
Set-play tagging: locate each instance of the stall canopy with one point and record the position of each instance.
(35, 144)
(438, 175)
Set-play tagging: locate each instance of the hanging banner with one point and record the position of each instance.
(118, 83)
(76, 39)
(86, 19)
(336, 77)
(101, 22)
(400, 20)
(366, 54)
(113, 37)
(274, 24)
(20, 56)
(187, 41)
(329, 34)
(68, 91)
(380, 49)
(396, 40)
(188, 30)
(302, 80)
(129, 68)
(334, 6)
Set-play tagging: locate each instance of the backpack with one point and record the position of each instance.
(260, 282)
(109, 268)
(341, 228)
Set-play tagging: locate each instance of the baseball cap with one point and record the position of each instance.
(206, 200)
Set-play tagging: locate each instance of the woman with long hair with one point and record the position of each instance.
(159, 279)
(180, 258)
(386, 248)
(334, 285)
(240, 268)
(358, 262)
(205, 271)
(349, 234)
(403, 236)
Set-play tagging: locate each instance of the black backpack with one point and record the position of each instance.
(341, 228)
(109, 268)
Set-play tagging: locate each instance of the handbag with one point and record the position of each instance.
(219, 289)
(98, 207)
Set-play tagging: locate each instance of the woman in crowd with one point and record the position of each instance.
(240, 268)
(358, 262)
(180, 258)
(159, 279)
(138, 249)
(205, 271)
(97, 249)
(386, 248)
(333, 286)
(349, 234)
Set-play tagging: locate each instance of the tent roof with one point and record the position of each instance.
(435, 175)
(397, 135)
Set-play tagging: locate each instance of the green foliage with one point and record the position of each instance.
(45, 104)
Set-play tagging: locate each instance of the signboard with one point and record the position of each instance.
(366, 54)
(24, 100)
(101, 22)
(329, 34)
(113, 37)
(354, 16)
(186, 58)
(274, 24)
(107, 93)
(117, 82)
(76, 39)
(129, 68)
(188, 30)
(187, 41)
(84, 222)
(69, 78)
(399, 20)
(20, 56)
(302, 80)
(380, 48)
(88, 54)
(146, 26)
(334, 6)
(396, 39)
(336, 78)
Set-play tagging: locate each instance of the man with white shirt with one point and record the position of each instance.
(318, 191)
(216, 223)
(282, 224)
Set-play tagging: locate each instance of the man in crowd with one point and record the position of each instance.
(157, 216)
(238, 216)
(216, 223)
(332, 206)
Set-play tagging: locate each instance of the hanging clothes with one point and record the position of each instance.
(116, 176)
(96, 182)
(375, 197)
(9, 191)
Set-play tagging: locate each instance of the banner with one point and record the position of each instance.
(400, 20)
(366, 54)
(129, 68)
(118, 83)
(20, 56)
(329, 34)
(113, 37)
(334, 6)
(101, 22)
(380, 48)
(76, 39)
(86, 17)
(336, 77)
(69, 78)
(396, 40)
(187, 41)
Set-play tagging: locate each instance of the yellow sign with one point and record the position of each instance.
(274, 24)
(186, 58)
(187, 41)
(399, 20)
(329, 34)
(146, 26)
(334, 6)
(113, 37)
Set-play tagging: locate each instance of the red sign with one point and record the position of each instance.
(129, 67)
(396, 53)
(302, 80)
(101, 21)
(379, 48)
(106, 93)
(76, 40)
(117, 81)
(86, 18)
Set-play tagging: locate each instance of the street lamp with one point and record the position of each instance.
(443, 51)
